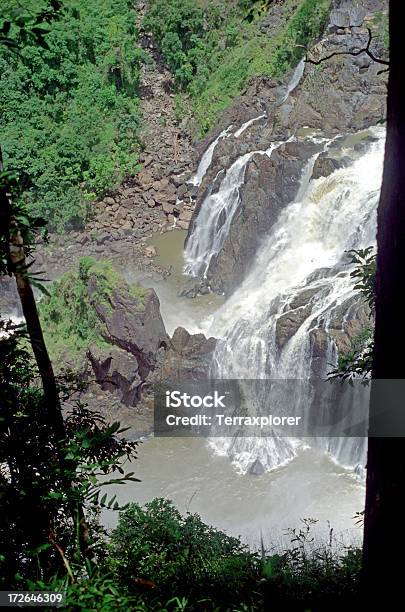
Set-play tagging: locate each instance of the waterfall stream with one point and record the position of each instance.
(206, 159)
(216, 214)
(303, 252)
(247, 124)
(295, 80)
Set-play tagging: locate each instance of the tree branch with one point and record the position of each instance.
(365, 50)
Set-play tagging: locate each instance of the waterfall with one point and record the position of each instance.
(304, 251)
(206, 159)
(248, 124)
(215, 217)
(295, 80)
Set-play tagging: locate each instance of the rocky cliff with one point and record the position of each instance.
(342, 95)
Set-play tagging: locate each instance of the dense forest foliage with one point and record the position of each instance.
(69, 112)
(214, 48)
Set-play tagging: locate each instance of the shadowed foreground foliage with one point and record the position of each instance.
(157, 559)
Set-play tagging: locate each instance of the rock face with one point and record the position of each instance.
(134, 328)
(259, 209)
(343, 324)
(141, 352)
(117, 371)
(188, 356)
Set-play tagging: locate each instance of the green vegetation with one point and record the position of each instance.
(69, 108)
(357, 362)
(381, 27)
(213, 50)
(67, 313)
(157, 559)
(46, 479)
(179, 555)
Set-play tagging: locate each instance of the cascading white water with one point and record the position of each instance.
(216, 214)
(206, 159)
(247, 124)
(295, 79)
(304, 251)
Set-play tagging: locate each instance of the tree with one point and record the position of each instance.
(383, 571)
(49, 467)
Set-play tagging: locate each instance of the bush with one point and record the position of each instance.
(157, 551)
(214, 48)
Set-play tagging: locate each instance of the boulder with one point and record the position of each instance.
(188, 356)
(133, 324)
(168, 208)
(193, 287)
(256, 469)
(324, 166)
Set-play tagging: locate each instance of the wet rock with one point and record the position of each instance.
(324, 166)
(256, 469)
(270, 184)
(289, 323)
(192, 287)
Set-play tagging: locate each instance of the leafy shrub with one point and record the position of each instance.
(357, 362)
(99, 591)
(70, 114)
(157, 550)
(312, 577)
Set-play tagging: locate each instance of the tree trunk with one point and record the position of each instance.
(18, 268)
(383, 540)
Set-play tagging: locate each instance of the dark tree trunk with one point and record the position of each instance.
(383, 526)
(17, 265)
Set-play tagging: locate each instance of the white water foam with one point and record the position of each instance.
(247, 124)
(215, 217)
(303, 251)
(206, 159)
